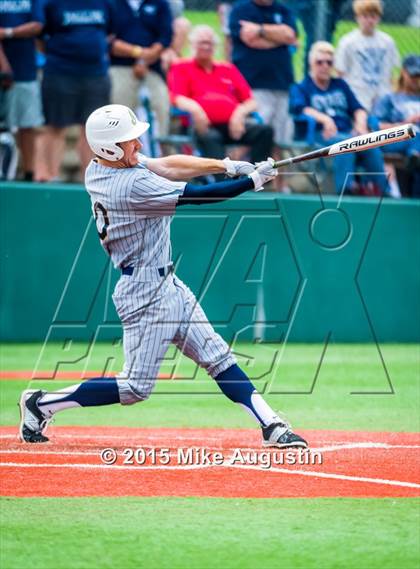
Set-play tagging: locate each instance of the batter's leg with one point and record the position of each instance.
(148, 332)
(197, 339)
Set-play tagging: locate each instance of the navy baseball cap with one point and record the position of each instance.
(412, 64)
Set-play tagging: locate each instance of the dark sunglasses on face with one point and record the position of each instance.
(328, 62)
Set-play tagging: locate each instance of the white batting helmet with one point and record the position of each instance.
(111, 124)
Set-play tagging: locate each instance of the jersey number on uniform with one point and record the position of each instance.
(102, 220)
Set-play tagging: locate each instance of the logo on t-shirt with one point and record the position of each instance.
(150, 9)
(372, 62)
(83, 17)
(15, 6)
(333, 103)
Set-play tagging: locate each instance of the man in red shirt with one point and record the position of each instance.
(219, 100)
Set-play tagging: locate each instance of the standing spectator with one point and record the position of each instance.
(366, 57)
(263, 31)
(307, 12)
(75, 80)
(219, 100)
(402, 107)
(223, 10)
(181, 27)
(339, 115)
(20, 23)
(144, 30)
(8, 152)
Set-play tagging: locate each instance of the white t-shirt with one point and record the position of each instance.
(366, 63)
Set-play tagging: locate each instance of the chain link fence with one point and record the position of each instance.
(401, 20)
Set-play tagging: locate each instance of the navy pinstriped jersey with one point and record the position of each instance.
(133, 208)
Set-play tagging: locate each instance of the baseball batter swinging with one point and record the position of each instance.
(133, 201)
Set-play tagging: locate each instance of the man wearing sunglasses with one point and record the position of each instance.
(339, 115)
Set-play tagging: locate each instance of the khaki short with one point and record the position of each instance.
(126, 88)
(273, 106)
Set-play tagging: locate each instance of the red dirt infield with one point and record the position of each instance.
(354, 464)
(59, 375)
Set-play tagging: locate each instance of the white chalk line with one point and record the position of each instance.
(330, 475)
(106, 466)
(124, 438)
(331, 448)
(333, 476)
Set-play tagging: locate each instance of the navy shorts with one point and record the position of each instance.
(69, 99)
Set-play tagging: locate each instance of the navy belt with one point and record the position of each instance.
(163, 271)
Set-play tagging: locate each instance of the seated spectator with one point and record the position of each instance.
(365, 57)
(339, 115)
(143, 31)
(75, 79)
(218, 99)
(402, 107)
(20, 23)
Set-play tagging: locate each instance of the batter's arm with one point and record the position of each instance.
(217, 192)
(180, 167)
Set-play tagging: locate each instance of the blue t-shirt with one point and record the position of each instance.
(337, 101)
(76, 36)
(397, 107)
(143, 23)
(262, 68)
(20, 51)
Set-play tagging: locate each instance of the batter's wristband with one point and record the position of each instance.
(258, 181)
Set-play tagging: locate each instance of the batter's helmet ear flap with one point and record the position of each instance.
(109, 125)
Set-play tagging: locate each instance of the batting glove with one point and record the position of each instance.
(263, 173)
(236, 168)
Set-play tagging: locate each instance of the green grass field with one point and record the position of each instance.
(208, 533)
(232, 533)
(199, 403)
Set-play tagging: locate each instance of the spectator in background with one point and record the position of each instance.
(8, 150)
(219, 100)
(75, 80)
(307, 12)
(402, 107)
(263, 32)
(339, 115)
(223, 10)
(365, 57)
(6, 74)
(144, 30)
(181, 27)
(20, 23)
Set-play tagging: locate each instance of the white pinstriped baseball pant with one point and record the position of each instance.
(156, 312)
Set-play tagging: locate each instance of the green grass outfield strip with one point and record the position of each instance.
(198, 402)
(174, 533)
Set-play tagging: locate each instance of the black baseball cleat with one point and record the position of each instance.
(33, 423)
(280, 435)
